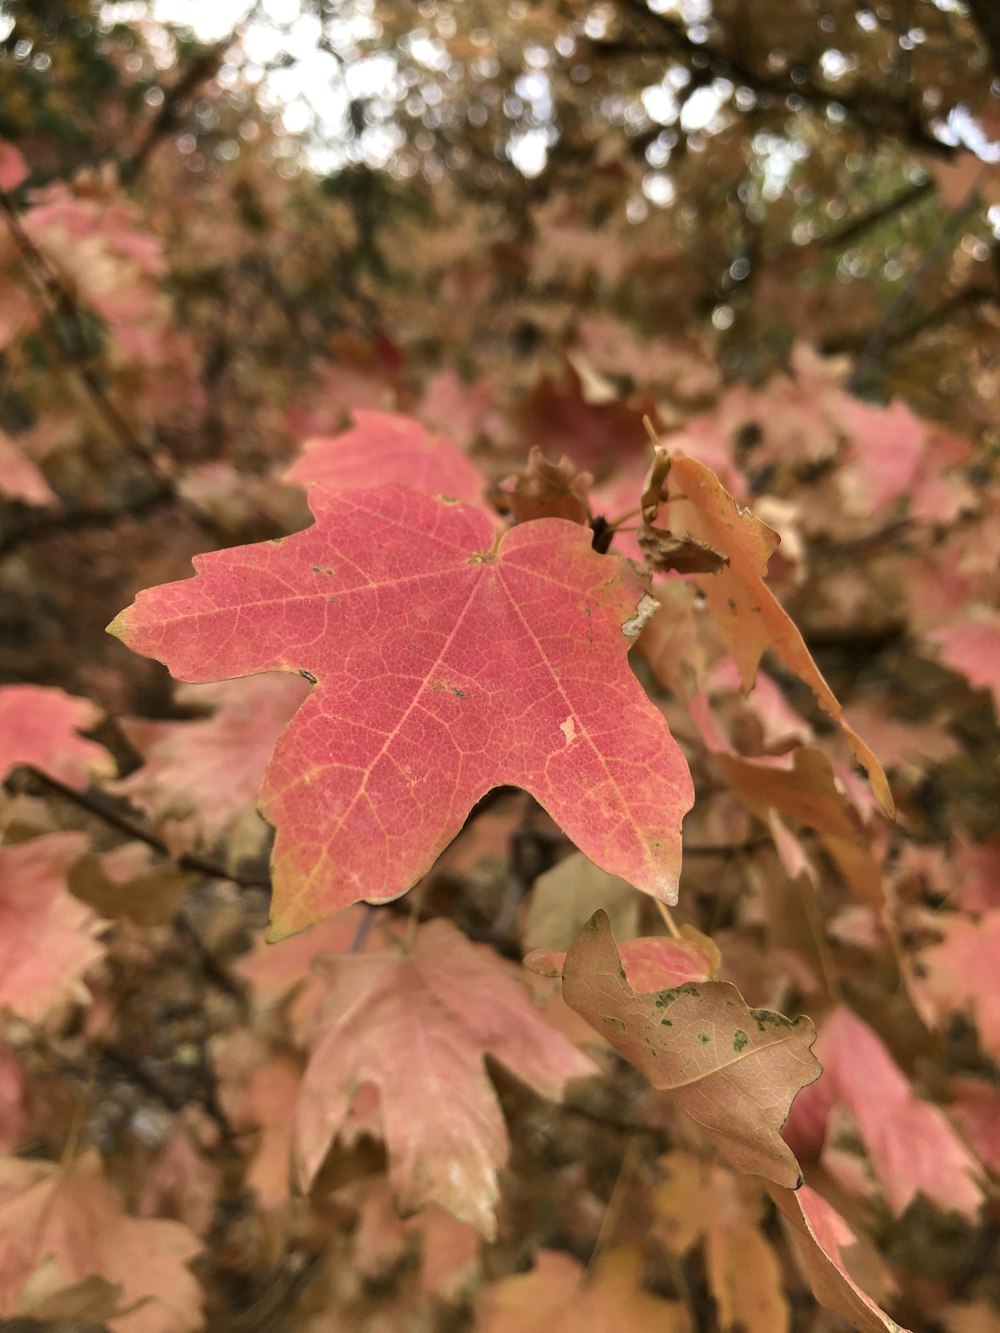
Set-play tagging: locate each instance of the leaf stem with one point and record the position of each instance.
(668, 919)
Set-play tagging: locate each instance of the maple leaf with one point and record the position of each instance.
(749, 617)
(445, 664)
(75, 1218)
(38, 726)
(704, 1199)
(807, 791)
(976, 1109)
(46, 936)
(961, 972)
(671, 642)
(592, 434)
(972, 648)
(566, 896)
(12, 1111)
(464, 411)
(733, 1069)
(386, 447)
(285, 972)
(417, 1026)
(910, 1143)
(557, 1296)
(13, 168)
(821, 1235)
(201, 774)
(20, 479)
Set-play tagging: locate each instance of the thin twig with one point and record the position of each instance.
(98, 805)
(668, 919)
(55, 300)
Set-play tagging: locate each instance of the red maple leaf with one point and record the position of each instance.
(38, 726)
(46, 935)
(417, 1027)
(446, 662)
(386, 447)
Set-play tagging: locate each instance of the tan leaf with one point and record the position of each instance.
(733, 1069)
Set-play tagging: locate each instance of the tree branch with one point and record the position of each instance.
(55, 301)
(868, 107)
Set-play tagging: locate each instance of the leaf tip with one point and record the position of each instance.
(119, 626)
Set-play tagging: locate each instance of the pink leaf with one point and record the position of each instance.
(75, 1219)
(417, 1026)
(961, 972)
(384, 447)
(38, 726)
(46, 936)
(203, 773)
(909, 1142)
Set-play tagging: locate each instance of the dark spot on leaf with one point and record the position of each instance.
(308, 675)
(704, 1038)
(613, 1022)
(666, 1022)
(740, 1040)
(769, 1018)
(667, 997)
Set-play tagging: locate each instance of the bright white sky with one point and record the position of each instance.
(316, 89)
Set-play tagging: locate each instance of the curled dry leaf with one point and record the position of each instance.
(414, 716)
(749, 617)
(820, 1236)
(666, 550)
(417, 1027)
(806, 791)
(733, 1069)
(38, 726)
(543, 489)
